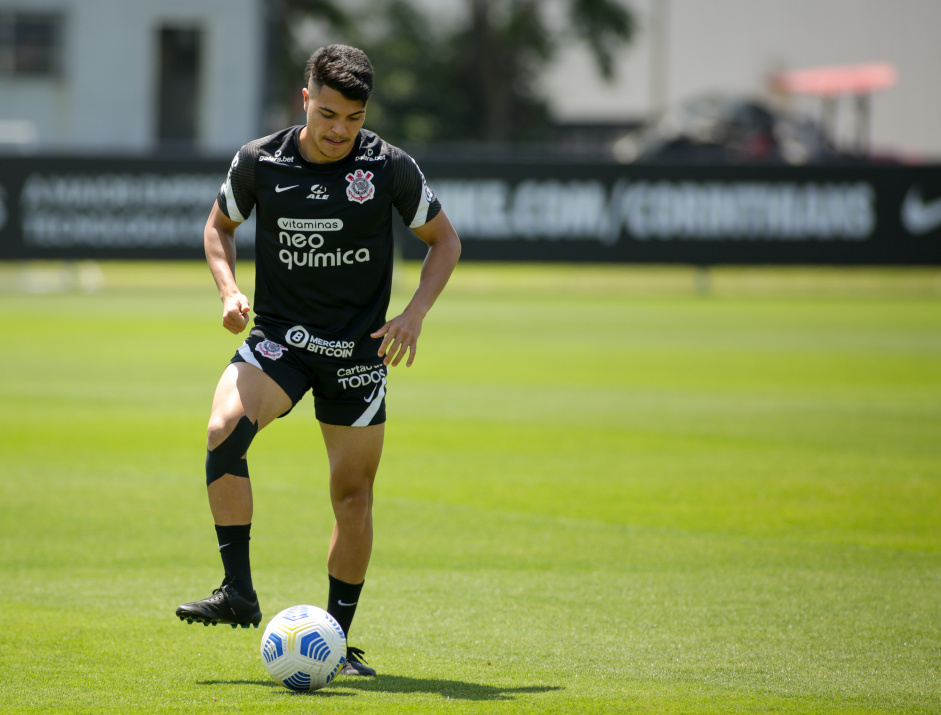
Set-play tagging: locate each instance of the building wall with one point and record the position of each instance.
(106, 94)
(686, 48)
(683, 48)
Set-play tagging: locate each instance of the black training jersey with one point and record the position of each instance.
(323, 239)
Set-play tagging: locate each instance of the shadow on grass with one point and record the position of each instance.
(453, 689)
(325, 692)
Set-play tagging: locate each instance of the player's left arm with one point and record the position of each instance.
(400, 335)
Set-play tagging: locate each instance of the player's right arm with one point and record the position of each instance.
(219, 242)
(233, 205)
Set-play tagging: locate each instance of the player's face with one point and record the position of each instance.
(333, 121)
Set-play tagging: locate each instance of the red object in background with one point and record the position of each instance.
(833, 81)
(829, 83)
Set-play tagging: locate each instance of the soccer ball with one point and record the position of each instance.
(303, 648)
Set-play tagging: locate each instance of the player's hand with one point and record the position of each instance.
(399, 337)
(235, 310)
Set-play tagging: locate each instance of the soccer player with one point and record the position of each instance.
(323, 195)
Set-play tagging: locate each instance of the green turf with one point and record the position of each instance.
(604, 490)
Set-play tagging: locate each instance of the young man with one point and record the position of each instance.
(324, 195)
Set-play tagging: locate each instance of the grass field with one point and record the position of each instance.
(604, 491)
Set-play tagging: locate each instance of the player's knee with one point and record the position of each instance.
(219, 428)
(353, 507)
(232, 443)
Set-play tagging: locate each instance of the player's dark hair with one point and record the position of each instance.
(343, 68)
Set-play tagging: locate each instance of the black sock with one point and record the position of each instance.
(342, 602)
(233, 547)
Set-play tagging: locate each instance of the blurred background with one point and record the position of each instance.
(540, 122)
(206, 75)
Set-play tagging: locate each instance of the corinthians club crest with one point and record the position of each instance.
(361, 188)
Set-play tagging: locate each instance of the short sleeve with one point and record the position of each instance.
(412, 197)
(237, 195)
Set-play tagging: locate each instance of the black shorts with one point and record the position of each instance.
(346, 391)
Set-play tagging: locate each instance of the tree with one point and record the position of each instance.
(478, 81)
(416, 98)
(286, 55)
(500, 55)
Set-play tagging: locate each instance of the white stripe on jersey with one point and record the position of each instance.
(366, 417)
(421, 213)
(231, 206)
(246, 353)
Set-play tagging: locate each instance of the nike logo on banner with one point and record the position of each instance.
(920, 217)
(279, 189)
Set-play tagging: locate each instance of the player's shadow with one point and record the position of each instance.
(325, 692)
(453, 689)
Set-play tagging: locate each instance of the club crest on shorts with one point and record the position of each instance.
(361, 188)
(270, 349)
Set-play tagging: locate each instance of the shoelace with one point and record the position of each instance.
(355, 655)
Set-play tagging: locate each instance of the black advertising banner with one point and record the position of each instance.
(76, 207)
(151, 208)
(693, 214)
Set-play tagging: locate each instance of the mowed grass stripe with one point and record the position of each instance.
(602, 492)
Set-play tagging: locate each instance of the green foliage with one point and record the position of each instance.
(415, 95)
(604, 26)
(499, 56)
(475, 81)
(602, 493)
(287, 56)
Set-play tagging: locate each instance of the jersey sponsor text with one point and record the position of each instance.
(307, 245)
(310, 224)
(360, 376)
(323, 259)
(300, 337)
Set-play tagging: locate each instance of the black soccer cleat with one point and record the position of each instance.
(356, 665)
(226, 606)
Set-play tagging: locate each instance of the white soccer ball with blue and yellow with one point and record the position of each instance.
(303, 648)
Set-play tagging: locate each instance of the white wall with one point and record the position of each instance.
(733, 45)
(106, 96)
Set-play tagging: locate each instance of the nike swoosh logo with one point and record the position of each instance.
(920, 217)
(279, 189)
(373, 394)
(340, 603)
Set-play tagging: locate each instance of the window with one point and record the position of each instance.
(180, 51)
(30, 44)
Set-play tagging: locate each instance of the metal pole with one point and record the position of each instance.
(659, 55)
(862, 123)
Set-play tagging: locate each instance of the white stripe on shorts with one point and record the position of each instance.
(246, 353)
(366, 417)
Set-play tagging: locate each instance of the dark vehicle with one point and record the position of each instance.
(723, 130)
